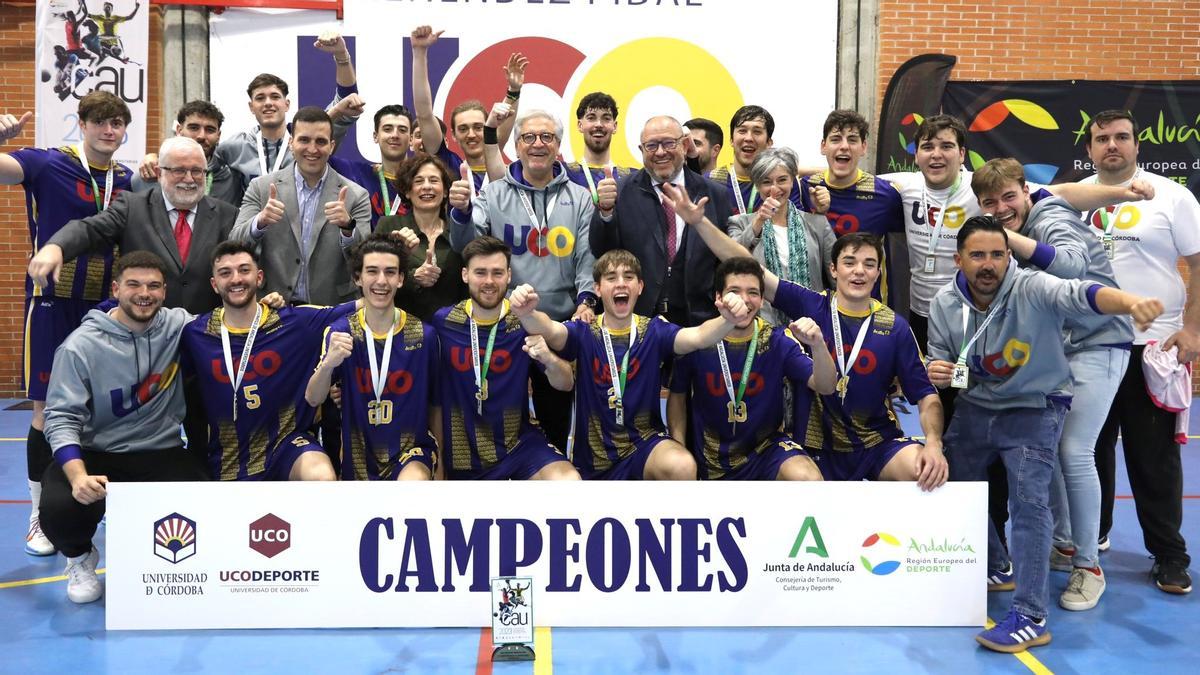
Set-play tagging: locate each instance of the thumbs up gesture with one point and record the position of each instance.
(10, 126)
(461, 189)
(335, 211)
(428, 273)
(819, 197)
(272, 212)
(606, 191)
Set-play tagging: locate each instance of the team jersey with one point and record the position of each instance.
(476, 440)
(599, 441)
(872, 206)
(726, 444)
(749, 194)
(889, 352)
(576, 175)
(270, 401)
(57, 191)
(366, 175)
(453, 161)
(378, 437)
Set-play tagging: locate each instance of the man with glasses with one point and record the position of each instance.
(544, 218)
(677, 267)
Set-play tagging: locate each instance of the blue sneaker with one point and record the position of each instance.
(1001, 580)
(1015, 634)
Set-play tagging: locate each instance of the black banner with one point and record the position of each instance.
(914, 92)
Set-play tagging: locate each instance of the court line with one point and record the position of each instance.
(14, 439)
(1029, 660)
(14, 501)
(543, 663)
(41, 580)
(483, 659)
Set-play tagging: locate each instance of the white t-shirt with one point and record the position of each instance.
(1149, 237)
(781, 245)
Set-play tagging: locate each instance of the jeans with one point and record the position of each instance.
(1026, 440)
(1075, 492)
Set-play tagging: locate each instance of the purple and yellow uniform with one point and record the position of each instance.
(268, 431)
(368, 176)
(603, 448)
(747, 190)
(577, 175)
(859, 435)
(453, 161)
(752, 448)
(496, 440)
(57, 190)
(381, 437)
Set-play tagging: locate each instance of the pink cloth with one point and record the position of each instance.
(1169, 384)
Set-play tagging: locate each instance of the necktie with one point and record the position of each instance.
(183, 235)
(672, 243)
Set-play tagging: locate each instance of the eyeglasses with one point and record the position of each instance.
(668, 145)
(178, 172)
(546, 137)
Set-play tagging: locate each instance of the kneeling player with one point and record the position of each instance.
(619, 431)
(484, 385)
(737, 414)
(386, 379)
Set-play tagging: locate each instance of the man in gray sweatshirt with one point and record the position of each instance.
(995, 334)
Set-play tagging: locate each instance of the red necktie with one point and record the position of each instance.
(183, 235)
(669, 211)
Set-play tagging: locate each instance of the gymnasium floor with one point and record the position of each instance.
(1135, 628)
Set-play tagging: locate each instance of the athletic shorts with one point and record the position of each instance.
(763, 465)
(532, 454)
(861, 464)
(413, 455)
(283, 456)
(48, 321)
(631, 466)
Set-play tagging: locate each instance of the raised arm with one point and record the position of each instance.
(733, 311)
(1089, 196)
(422, 39)
(501, 113)
(824, 375)
(11, 172)
(558, 372)
(514, 75)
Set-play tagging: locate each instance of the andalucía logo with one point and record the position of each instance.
(887, 566)
(175, 538)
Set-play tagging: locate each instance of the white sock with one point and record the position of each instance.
(35, 497)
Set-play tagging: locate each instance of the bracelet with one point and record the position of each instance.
(340, 62)
(491, 136)
(514, 95)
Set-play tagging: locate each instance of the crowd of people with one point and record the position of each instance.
(303, 316)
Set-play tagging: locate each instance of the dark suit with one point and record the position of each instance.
(138, 221)
(638, 225)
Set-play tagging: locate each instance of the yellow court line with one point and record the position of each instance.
(23, 438)
(42, 580)
(543, 663)
(1029, 660)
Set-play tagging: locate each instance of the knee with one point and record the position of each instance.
(563, 471)
(679, 465)
(799, 468)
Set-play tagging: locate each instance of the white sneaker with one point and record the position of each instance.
(1060, 559)
(1104, 544)
(82, 583)
(1084, 589)
(36, 542)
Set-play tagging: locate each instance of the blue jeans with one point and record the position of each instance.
(1075, 491)
(1026, 440)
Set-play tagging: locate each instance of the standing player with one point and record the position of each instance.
(619, 433)
(737, 414)
(387, 379)
(392, 128)
(750, 132)
(62, 184)
(484, 387)
(596, 119)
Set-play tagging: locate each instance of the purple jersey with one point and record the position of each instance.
(453, 162)
(366, 175)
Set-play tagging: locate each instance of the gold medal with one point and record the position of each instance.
(482, 394)
(737, 412)
(842, 384)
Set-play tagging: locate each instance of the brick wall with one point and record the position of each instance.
(17, 28)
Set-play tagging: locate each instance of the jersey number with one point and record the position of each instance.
(379, 412)
(253, 400)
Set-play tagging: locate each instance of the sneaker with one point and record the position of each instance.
(1015, 634)
(1084, 589)
(36, 542)
(82, 583)
(1105, 544)
(1001, 580)
(1172, 577)
(1060, 559)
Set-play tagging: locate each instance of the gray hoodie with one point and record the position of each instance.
(557, 263)
(1018, 361)
(1068, 250)
(116, 391)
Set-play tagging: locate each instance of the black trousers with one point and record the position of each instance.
(1152, 461)
(553, 408)
(70, 525)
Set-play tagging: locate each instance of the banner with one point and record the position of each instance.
(310, 555)
(1041, 124)
(685, 59)
(84, 45)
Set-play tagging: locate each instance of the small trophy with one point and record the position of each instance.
(512, 618)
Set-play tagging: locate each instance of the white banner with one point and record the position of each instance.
(84, 45)
(306, 555)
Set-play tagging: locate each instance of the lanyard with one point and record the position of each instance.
(108, 179)
(389, 206)
(208, 178)
(845, 363)
(538, 226)
(262, 155)
(481, 369)
(587, 175)
(941, 221)
(482, 183)
(618, 376)
(737, 191)
(967, 344)
(737, 409)
(379, 373)
(245, 360)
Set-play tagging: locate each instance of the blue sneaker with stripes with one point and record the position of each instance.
(1015, 634)
(1001, 580)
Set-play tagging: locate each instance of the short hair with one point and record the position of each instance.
(98, 106)
(749, 113)
(738, 265)
(463, 107)
(377, 242)
(1106, 117)
(615, 258)
(845, 119)
(142, 260)
(995, 174)
(232, 247)
(932, 126)
(178, 143)
(597, 100)
(712, 130)
(979, 224)
(394, 109)
(266, 80)
(770, 159)
(538, 113)
(855, 241)
(485, 245)
(409, 168)
(200, 108)
(312, 114)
